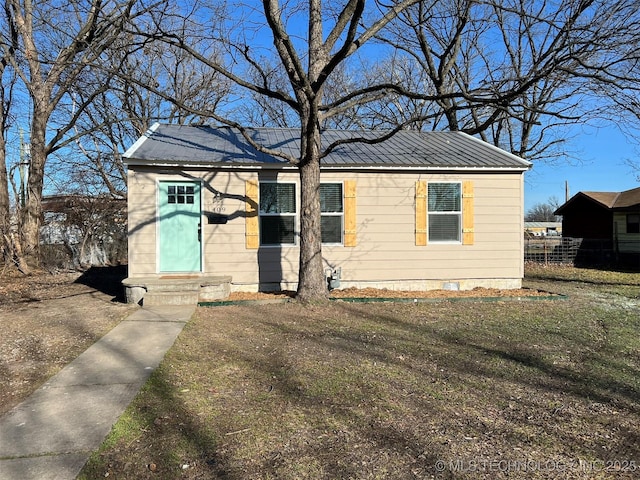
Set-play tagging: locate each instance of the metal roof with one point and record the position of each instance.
(203, 146)
(542, 224)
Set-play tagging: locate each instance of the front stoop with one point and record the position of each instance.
(176, 290)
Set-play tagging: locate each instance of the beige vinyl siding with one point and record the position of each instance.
(228, 250)
(386, 237)
(141, 199)
(384, 248)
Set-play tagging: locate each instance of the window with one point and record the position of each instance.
(277, 213)
(276, 219)
(180, 194)
(331, 212)
(633, 223)
(444, 212)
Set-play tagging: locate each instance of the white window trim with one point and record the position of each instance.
(336, 214)
(294, 215)
(458, 213)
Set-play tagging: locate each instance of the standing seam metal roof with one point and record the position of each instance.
(203, 145)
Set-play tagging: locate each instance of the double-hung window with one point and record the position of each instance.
(332, 212)
(633, 223)
(444, 212)
(277, 213)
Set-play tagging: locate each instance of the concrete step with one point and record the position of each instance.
(173, 286)
(170, 297)
(176, 290)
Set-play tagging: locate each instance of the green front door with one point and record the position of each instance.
(180, 234)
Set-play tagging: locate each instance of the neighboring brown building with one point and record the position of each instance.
(413, 212)
(611, 216)
(588, 215)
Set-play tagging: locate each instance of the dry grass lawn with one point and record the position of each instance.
(531, 389)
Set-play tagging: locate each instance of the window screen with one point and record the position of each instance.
(277, 198)
(444, 212)
(277, 213)
(331, 208)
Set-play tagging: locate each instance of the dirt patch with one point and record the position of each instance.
(385, 293)
(48, 320)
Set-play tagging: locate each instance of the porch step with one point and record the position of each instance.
(169, 297)
(176, 290)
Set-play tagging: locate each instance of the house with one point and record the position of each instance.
(417, 211)
(613, 217)
(543, 229)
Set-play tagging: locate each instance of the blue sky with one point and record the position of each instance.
(600, 165)
(598, 155)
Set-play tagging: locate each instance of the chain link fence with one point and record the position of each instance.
(567, 250)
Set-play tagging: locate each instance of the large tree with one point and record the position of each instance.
(543, 212)
(518, 72)
(50, 45)
(310, 42)
(117, 116)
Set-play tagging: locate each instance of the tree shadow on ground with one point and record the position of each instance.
(107, 280)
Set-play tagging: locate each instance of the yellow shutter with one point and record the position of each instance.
(251, 212)
(467, 213)
(421, 213)
(350, 213)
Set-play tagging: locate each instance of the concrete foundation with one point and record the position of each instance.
(176, 290)
(399, 285)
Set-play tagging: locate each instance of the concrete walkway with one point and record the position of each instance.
(52, 433)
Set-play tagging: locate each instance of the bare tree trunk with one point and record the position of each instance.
(312, 285)
(5, 211)
(32, 214)
(6, 88)
(15, 252)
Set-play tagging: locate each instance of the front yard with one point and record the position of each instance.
(532, 389)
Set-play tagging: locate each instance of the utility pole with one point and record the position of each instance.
(23, 168)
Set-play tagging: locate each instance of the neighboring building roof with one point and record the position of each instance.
(542, 225)
(628, 198)
(608, 200)
(194, 146)
(605, 198)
